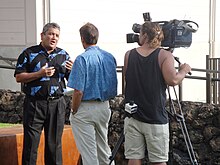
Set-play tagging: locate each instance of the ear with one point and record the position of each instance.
(145, 36)
(83, 42)
(41, 35)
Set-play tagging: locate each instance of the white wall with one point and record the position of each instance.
(115, 19)
(12, 31)
(12, 37)
(17, 31)
(217, 47)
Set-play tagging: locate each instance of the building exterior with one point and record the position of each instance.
(21, 22)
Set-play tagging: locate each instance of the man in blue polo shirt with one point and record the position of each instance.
(94, 80)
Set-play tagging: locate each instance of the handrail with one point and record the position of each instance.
(7, 67)
(7, 58)
(210, 79)
(9, 61)
(120, 70)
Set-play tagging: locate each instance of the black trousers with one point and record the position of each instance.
(47, 115)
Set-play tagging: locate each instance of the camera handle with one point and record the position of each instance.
(176, 58)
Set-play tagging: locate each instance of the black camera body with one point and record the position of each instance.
(177, 33)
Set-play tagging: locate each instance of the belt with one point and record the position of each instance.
(95, 100)
(49, 98)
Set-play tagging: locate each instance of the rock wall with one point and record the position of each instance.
(11, 106)
(200, 121)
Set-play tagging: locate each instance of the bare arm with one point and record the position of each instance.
(125, 65)
(76, 100)
(171, 76)
(126, 61)
(28, 77)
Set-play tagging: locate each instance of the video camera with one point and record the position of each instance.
(177, 33)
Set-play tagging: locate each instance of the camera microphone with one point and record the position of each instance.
(131, 107)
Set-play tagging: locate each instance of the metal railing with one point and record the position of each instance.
(212, 80)
(120, 69)
(212, 77)
(10, 63)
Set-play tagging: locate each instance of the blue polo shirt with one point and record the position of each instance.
(94, 73)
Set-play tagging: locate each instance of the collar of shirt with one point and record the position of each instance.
(43, 49)
(91, 47)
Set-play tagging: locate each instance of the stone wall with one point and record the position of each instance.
(201, 120)
(11, 106)
(202, 124)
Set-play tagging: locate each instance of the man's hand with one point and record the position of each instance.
(26, 77)
(76, 100)
(185, 67)
(47, 71)
(73, 111)
(69, 64)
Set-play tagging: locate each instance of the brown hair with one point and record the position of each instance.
(89, 33)
(154, 33)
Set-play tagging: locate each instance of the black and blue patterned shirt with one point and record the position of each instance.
(33, 59)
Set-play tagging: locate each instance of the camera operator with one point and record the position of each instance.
(148, 70)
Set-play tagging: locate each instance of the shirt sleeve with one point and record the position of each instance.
(21, 63)
(67, 73)
(77, 75)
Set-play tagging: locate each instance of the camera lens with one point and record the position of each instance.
(131, 38)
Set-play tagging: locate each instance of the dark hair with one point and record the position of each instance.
(89, 33)
(50, 25)
(154, 33)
